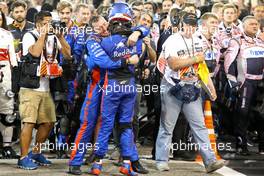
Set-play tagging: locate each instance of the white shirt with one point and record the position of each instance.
(176, 47)
(7, 57)
(27, 41)
(7, 43)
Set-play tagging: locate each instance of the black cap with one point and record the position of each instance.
(190, 18)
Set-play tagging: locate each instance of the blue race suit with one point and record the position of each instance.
(118, 97)
(91, 105)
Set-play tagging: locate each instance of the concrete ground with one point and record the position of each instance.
(8, 167)
(59, 168)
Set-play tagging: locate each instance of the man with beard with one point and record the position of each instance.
(20, 26)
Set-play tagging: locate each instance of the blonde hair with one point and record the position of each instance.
(64, 4)
(229, 6)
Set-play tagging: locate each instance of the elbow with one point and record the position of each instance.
(34, 51)
(35, 54)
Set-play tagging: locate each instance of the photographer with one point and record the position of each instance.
(36, 107)
(180, 91)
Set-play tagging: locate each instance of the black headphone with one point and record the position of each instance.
(175, 20)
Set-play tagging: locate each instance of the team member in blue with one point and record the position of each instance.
(91, 106)
(65, 10)
(119, 89)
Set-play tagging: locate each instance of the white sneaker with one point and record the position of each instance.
(214, 166)
(163, 166)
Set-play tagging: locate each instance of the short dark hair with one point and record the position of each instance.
(47, 7)
(167, 0)
(18, 4)
(4, 25)
(41, 15)
(94, 19)
(146, 13)
(154, 6)
(136, 3)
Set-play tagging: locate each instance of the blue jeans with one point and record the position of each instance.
(170, 109)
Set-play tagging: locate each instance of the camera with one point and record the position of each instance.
(58, 25)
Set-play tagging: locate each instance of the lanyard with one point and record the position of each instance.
(188, 47)
(189, 53)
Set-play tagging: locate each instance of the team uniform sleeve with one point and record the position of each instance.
(78, 47)
(144, 31)
(98, 55)
(230, 61)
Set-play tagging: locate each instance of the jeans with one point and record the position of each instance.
(170, 109)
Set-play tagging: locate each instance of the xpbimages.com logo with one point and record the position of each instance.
(125, 87)
(183, 146)
(81, 147)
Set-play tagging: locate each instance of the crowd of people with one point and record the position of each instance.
(76, 74)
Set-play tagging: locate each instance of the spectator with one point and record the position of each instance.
(245, 79)
(137, 7)
(103, 11)
(36, 106)
(83, 15)
(237, 21)
(178, 4)
(218, 10)
(7, 62)
(31, 12)
(258, 12)
(150, 7)
(69, 122)
(5, 10)
(47, 7)
(189, 7)
(166, 5)
(38, 4)
(20, 26)
(164, 22)
(227, 29)
(209, 26)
